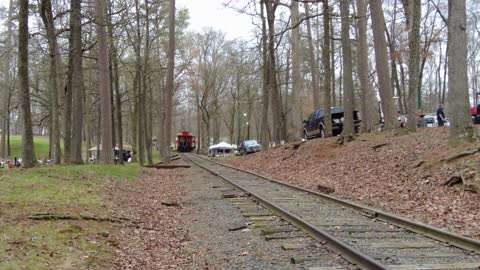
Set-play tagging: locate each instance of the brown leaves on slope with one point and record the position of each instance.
(382, 170)
(155, 236)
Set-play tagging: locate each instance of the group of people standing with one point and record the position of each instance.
(17, 162)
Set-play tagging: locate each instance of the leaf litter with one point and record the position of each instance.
(155, 236)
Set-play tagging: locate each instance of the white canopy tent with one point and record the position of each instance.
(221, 147)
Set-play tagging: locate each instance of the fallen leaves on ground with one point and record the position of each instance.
(154, 237)
(382, 170)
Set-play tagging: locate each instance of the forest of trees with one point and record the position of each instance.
(114, 72)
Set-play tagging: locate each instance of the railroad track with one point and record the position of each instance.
(368, 238)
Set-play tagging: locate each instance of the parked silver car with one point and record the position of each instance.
(248, 147)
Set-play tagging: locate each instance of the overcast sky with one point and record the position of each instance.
(210, 13)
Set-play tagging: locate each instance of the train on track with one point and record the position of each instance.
(185, 142)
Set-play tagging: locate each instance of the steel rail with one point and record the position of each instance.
(417, 227)
(349, 253)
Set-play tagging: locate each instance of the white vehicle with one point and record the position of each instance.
(430, 120)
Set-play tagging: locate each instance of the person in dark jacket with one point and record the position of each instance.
(440, 116)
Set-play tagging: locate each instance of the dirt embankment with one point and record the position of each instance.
(404, 174)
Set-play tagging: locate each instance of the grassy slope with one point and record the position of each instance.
(41, 146)
(73, 190)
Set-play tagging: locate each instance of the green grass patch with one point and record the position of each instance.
(60, 185)
(41, 146)
(76, 244)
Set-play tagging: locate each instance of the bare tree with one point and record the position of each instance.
(296, 71)
(55, 78)
(276, 99)
(28, 151)
(348, 128)
(461, 125)
(104, 83)
(414, 63)
(327, 80)
(312, 61)
(146, 88)
(138, 86)
(366, 90)
(381, 61)
(76, 84)
(265, 130)
(169, 89)
(4, 109)
(116, 85)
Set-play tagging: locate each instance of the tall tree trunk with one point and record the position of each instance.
(327, 83)
(461, 123)
(199, 126)
(9, 149)
(414, 63)
(68, 96)
(88, 121)
(4, 109)
(104, 83)
(285, 108)
(348, 128)
(112, 91)
(332, 58)
(394, 71)
(134, 114)
(381, 62)
(445, 69)
(170, 79)
(161, 134)
(265, 130)
(274, 89)
(312, 61)
(77, 82)
(366, 90)
(116, 87)
(296, 71)
(47, 18)
(205, 128)
(146, 89)
(139, 100)
(239, 113)
(28, 152)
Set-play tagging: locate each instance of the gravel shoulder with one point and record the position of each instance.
(213, 246)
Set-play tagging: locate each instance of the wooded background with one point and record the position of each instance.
(116, 72)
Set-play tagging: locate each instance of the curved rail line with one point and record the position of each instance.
(367, 237)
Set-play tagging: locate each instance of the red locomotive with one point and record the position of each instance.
(185, 142)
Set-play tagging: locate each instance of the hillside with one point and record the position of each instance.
(404, 174)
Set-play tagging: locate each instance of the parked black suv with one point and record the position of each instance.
(314, 126)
